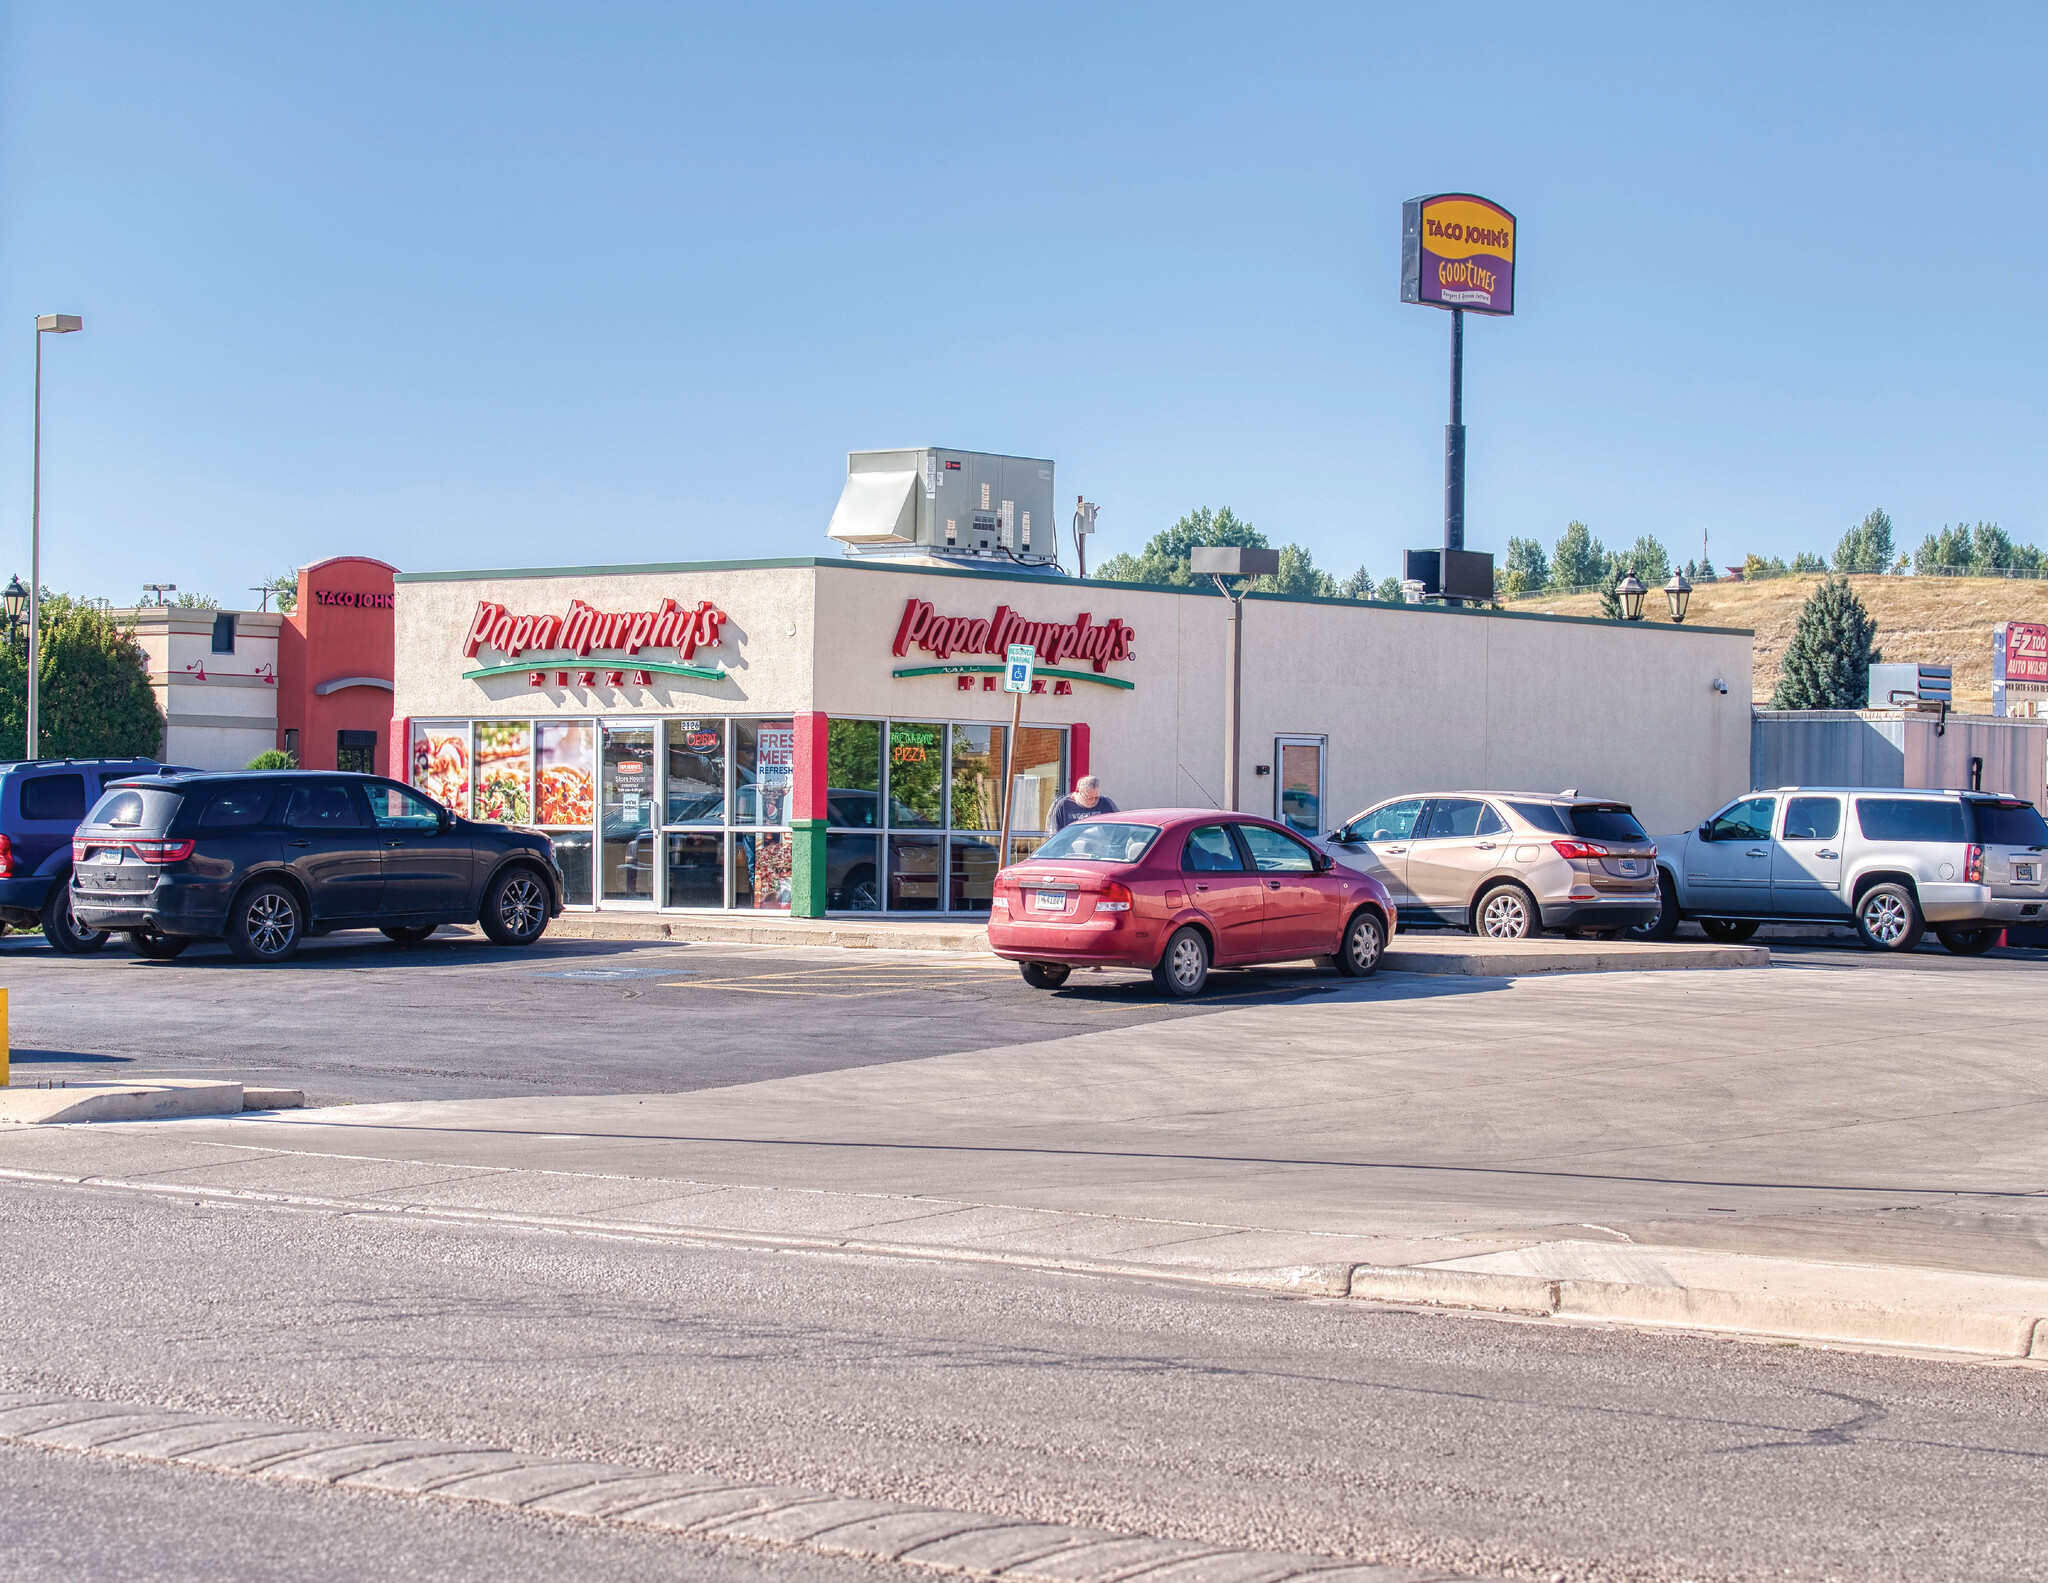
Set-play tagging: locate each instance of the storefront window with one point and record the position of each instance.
(971, 877)
(573, 852)
(627, 855)
(440, 763)
(852, 870)
(566, 751)
(1038, 776)
(978, 777)
(761, 866)
(914, 873)
(917, 788)
(696, 772)
(696, 871)
(764, 771)
(504, 771)
(853, 775)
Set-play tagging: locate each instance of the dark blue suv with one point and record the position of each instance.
(41, 803)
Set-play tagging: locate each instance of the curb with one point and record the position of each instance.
(172, 1099)
(1847, 1321)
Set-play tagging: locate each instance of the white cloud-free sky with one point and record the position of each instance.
(471, 285)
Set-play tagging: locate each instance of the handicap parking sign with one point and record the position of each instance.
(1022, 657)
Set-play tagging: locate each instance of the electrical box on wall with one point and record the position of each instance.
(950, 504)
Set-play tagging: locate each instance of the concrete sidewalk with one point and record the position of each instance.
(1428, 951)
(1835, 1154)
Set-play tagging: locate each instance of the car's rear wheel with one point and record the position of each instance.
(1184, 968)
(1665, 925)
(1505, 913)
(1888, 918)
(1729, 931)
(63, 930)
(1365, 942)
(157, 947)
(266, 924)
(1044, 975)
(515, 907)
(407, 933)
(1969, 942)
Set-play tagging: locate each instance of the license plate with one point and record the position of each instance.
(2024, 873)
(1628, 865)
(1049, 900)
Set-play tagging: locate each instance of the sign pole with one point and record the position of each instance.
(1454, 441)
(1022, 661)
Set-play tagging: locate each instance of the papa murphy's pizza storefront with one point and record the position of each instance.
(663, 727)
(829, 735)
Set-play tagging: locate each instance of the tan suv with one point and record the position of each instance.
(1506, 864)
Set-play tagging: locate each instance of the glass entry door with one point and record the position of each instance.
(626, 814)
(1298, 788)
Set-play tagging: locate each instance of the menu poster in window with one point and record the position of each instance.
(567, 756)
(504, 771)
(775, 769)
(440, 764)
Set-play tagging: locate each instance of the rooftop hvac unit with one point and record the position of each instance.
(948, 503)
(1894, 685)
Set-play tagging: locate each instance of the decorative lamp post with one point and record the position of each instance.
(1630, 592)
(46, 324)
(13, 601)
(1678, 592)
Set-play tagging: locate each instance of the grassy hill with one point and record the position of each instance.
(1936, 620)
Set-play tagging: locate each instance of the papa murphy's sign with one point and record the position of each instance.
(1458, 251)
(586, 633)
(1097, 644)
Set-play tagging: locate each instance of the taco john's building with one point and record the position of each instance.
(828, 735)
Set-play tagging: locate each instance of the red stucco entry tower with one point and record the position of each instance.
(334, 666)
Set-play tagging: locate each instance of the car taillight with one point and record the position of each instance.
(1115, 897)
(1973, 866)
(6, 858)
(162, 851)
(1579, 849)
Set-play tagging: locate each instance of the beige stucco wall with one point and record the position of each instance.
(220, 709)
(1410, 699)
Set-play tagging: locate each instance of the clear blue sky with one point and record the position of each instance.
(493, 284)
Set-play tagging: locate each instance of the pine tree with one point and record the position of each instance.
(1527, 570)
(1827, 663)
(1867, 547)
(1579, 560)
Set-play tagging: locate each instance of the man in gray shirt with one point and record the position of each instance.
(1084, 800)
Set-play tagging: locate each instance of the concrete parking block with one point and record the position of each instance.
(892, 1534)
(333, 1464)
(625, 1491)
(419, 1475)
(157, 1101)
(1112, 1560)
(789, 1524)
(534, 1481)
(705, 1509)
(1004, 1549)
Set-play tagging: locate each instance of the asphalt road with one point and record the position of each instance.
(355, 1017)
(1535, 1449)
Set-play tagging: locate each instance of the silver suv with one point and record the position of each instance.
(1506, 864)
(1889, 862)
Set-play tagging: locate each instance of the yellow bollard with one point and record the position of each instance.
(3, 1038)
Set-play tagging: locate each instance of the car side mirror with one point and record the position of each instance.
(1324, 862)
(1706, 830)
(445, 819)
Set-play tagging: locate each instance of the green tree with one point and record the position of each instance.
(1827, 663)
(1803, 562)
(1527, 570)
(272, 759)
(194, 602)
(1358, 585)
(1647, 558)
(1867, 547)
(1578, 560)
(93, 686)
(1299, 575)
(1390, 592)
(284, 588)
(1757, 568)
(1165, 558)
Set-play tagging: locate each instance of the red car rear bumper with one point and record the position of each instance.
(1104, 943)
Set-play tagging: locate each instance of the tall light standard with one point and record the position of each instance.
(47, 324)
(1221, 561)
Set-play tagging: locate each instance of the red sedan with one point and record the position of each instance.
(1175, 890)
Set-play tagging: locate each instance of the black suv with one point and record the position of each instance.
(266, 858)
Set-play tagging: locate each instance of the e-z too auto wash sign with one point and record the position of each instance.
(1098, 644)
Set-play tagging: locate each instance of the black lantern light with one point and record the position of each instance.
(1630, 591)
(1679, 593)
(12, 602)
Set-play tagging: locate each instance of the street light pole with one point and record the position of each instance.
(1221, 561)
(1454, 445)
(47, 324)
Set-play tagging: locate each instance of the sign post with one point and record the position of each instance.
(1022, 660)
(1457, 252)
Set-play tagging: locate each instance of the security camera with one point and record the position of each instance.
(1719, 685)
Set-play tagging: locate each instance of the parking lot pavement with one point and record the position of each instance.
(356, 1018)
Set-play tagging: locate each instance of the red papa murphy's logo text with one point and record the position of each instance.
(585, 628)
(923, 628)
